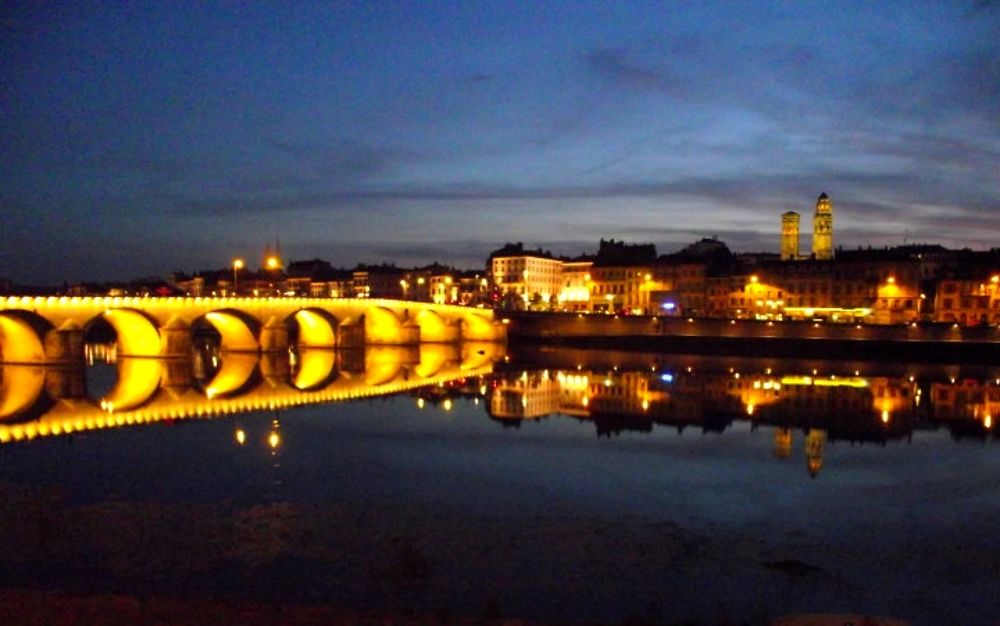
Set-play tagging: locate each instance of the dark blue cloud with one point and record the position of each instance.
(144, 137)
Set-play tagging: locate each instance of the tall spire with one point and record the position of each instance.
(822, 245)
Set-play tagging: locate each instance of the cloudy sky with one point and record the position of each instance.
(139, 138)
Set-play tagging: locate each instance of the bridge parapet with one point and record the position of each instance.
(162, 327)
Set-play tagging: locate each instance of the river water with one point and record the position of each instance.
(551, 484)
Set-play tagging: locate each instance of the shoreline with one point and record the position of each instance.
(924, 343)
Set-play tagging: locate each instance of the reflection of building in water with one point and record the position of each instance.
(836, 407)
(582, 394)
(782, 443)
(967, 399)
(891, 397)
(815, 443)
(529, 396)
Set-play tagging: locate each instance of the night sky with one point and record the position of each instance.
(140, 138)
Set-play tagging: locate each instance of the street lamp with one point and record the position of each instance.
(238, 264)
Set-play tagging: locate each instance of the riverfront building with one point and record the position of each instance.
(881, 286)
(897, 285)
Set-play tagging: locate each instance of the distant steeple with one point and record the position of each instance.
(789, 236)
(822, 245)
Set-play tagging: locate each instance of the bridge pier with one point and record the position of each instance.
(274, 337)
(175, 341)
(65, 382)
(410, 334)
(64, 345)
(275, 366)
(177, 375)
(351, 335)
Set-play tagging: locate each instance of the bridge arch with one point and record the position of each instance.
(21, 388)
(434, 328)
(237, 374)
(316, 328)
(238, 330)
(434, 357)
(21, 337)
(314, 369)
(137, 333)
(384, 364)
(138, 382)
(478, 327)
(383, 326)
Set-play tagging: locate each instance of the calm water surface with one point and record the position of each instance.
(563, 484)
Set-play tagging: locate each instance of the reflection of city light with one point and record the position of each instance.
(446, 404)
(241, 436)
(420, 403)
(274, 440)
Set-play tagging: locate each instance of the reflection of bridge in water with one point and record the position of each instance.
(40, 401)
(51, 329)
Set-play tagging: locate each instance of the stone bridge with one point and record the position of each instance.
(51, 329)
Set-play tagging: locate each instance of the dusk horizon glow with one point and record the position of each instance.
(146, 138)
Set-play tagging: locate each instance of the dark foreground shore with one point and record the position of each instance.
(181, 563)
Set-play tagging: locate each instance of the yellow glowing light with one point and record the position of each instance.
(138, 380)
(754, 278)
(885, 417)
(750, 408)
(446, 405)
(272, 263)
(988, 421)
(241, 436)
(274, 440)
(891, 280)
(239, 264)
(420, 403)
(858, 383)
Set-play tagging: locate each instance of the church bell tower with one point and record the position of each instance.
(789, 236)
(822, 247)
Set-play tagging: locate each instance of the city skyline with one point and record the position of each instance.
(146, 138)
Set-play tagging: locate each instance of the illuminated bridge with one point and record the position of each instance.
(39, 401)
(51, 329)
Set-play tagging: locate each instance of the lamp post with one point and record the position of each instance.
(238, 264)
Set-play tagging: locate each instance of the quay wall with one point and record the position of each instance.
(922, 342)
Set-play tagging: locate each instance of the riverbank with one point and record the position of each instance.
(930, 342)
(342, 563)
